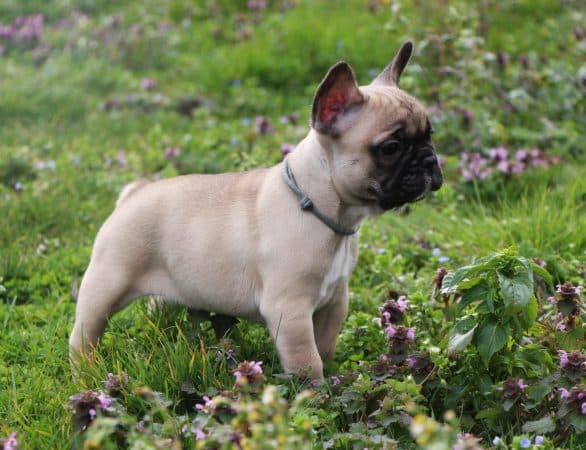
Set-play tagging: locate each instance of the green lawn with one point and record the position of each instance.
(94, 92)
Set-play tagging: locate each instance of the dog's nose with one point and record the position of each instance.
(429, 161)
(437, 178)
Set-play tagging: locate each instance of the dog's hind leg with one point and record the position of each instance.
(103, 292)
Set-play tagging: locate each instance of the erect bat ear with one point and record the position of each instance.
(336, 100)
(392, 73)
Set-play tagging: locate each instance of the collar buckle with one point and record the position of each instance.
(307, 204)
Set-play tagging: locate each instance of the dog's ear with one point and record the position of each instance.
(336, 100)
(392, 73)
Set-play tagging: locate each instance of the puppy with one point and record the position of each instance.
(274, 245)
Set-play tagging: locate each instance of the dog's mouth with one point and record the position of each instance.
(413, 180)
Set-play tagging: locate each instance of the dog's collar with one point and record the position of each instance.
(307, 205)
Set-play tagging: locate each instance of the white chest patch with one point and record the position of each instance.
(342, 265)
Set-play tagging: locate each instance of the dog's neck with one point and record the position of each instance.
(311, 168)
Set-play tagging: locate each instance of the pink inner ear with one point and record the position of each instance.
(332, 106)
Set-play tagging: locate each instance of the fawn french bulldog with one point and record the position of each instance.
(275, 245)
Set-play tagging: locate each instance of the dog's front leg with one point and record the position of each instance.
(327, 322)
(291, 327)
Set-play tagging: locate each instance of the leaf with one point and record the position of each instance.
(469, 283)
(488, 413)
(516, 291)
(451, 282)
(538, 392)
(542, 273)
(534, 360)
(460, 339)
(491, 338)
(482, 292)
(541, 426)
(508, 404)
(529, 314)
(578, 421)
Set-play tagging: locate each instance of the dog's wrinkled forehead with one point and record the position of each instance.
(392, 108)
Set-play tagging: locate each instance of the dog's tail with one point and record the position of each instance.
(130, 189)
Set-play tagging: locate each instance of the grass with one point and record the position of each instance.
(239, 64)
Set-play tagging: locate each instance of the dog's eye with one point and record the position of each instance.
(389, 148)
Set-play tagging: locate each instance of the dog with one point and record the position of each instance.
(274, 245)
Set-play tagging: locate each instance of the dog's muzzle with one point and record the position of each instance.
(414, 177)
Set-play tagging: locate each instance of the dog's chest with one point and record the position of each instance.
(342, 264)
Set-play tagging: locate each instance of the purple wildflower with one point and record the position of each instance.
(410, 360)
(525, 443)
(411, 334)
(563, 358)
(569, 304)
(573, 364)
(496, 441)
(263, 125)
(384, 366)
(512, 388)
(286, 148)
(393, 311)
(524, 60)
(6, 32)
(467, 115)
(10, 443)
(172, 152)
(400, 333)
(420, 365)
(249, 373)
(474, 166)
(105, 401)
(574, 400)
(219, 405)
(335, 380)
(539, 440)
(503, 59)
(522, 156)
(199, 434)
(85, 405)
(498, 154)
(403, 303)
(467, 441)
(208, 405)
(148, 84)
(114, 384)
(227, 354)
(30, 28)
(257, 5)
(568, 291)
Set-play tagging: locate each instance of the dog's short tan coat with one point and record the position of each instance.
(239, 244)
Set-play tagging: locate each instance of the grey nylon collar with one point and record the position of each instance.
(307, 205)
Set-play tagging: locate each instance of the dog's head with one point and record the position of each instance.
(377, 137)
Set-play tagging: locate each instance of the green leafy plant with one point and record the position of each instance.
(494, 302)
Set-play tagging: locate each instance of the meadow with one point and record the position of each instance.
(467, 322)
